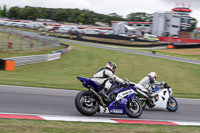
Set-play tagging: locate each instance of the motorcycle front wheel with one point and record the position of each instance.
(86, 103)
(172, 104)
(134, 108)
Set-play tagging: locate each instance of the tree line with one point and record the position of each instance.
(74, 15)
(69, 15)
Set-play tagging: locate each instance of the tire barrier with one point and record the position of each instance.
(111, 43)
(181, 45)
(179, 40)
(117, 37)
(7, 65)
(122, 44)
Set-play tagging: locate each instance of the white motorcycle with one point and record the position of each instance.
(161, 97)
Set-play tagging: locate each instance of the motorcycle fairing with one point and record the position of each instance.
(163, 97)
(119, 106)
(88, 83)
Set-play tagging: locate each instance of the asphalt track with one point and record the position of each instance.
(186, 60)
(31, 100)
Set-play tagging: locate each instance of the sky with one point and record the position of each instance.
(121, 7)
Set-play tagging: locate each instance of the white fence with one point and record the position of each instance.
(23, 60)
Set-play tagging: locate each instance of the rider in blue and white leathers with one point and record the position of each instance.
(105, 77)
(145, 85)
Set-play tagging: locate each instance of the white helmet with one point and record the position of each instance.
(153, 75)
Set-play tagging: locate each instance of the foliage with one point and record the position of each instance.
(31, 13)
(140, 17)
(0, 11)
(193, 24)
(75, 15)
(62, 15)
(14, 12)
(4, 11)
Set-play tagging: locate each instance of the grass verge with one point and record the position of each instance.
(183, 53)
(37, 126)
(85, 61)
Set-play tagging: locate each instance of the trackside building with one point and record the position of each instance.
(122, 27)
(174, 23)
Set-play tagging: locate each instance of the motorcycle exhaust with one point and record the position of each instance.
(139, 91)
(99, 97)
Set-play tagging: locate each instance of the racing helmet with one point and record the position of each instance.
(153, 75)
(111, 66)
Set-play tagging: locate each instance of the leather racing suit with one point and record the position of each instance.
(145, 85)
(104, 77)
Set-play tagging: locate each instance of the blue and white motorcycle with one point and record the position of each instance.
(161, 97)
(122, 100)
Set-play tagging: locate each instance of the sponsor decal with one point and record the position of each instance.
(124, 94)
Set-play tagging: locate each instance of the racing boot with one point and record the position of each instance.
(150, 101)
(104, 95)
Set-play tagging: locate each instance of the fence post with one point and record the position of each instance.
(31, 45)
(10, 44)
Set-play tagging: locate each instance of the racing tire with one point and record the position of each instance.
(134, 108)
(172, 104)
(86, 103)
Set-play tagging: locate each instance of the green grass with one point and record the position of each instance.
(20, 43)
(37, 126)
(195, 57)
(6, 54)
(85, 61)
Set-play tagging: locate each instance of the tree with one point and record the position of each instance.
(14, 12)
(4, 12)
(87, 17)
(140, 17)
(115, 17)
(46, 13)
(193, 23)
(31, 13)
(60, 16)
(0, 11)
(73, 15)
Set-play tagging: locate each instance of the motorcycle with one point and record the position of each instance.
(161, 97)
(122, 100)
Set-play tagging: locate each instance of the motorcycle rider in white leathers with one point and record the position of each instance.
(105, 76)
(145, 85)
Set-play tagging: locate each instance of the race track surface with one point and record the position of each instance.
(31, 100)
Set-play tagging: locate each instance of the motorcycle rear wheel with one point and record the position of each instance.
(86, 103)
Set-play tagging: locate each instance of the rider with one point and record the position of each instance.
(105, 77)
(145, 85)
